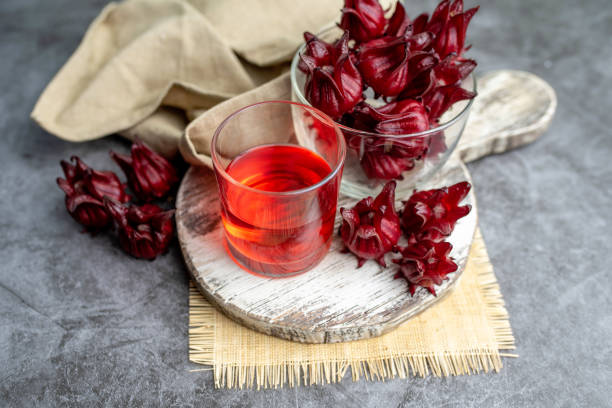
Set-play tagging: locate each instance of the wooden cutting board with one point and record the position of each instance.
(335, 301)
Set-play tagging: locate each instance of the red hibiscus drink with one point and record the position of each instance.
(278, 167)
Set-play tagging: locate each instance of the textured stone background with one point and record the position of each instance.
(82, 324)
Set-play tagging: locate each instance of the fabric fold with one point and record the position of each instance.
(144, 68)
(269, 31)
(133, 57)
(195, 143)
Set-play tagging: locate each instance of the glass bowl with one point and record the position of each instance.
(419, 155)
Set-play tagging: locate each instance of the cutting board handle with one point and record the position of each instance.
(512, 108)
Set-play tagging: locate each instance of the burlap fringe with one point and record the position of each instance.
(202, 323)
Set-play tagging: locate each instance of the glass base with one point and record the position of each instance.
(269, 270)
(356, 185)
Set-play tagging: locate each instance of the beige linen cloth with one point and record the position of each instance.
(145, 68)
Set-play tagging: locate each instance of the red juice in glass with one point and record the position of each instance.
(273, 233)
(278, 200)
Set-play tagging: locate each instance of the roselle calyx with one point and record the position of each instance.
(372, 227)
(388, 64)
(449, 72)
(428, 218)
(386, 158)
(399, 23)
(346, 74)
(317, 53)
(364, 19)
(453, 70)
(95, 183)
(450, 28)
(440, 99)
(419, 24)
(432, 214)
(85, 209)
(449, 25)
(402, 117)
(323, 92)
(333, 89)
(384, 64)
(144, 232)
(438, 19)
(425, 263)
(149, 174)
(85, 188)
(384, 166)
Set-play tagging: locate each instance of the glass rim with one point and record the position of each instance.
(304, 101)
(217, 167)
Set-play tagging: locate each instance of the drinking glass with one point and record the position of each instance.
(278, 166)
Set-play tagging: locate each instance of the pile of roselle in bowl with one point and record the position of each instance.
(400, 90)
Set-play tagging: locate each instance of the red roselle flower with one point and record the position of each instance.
(384, 166)
(371, 228)
(440, 99)
(85, 188)
(399, 23)
(444, 85)
(425, 263)
(346, 74)
(95, 183)
(383, 62)
(451, 39)
(144, 232)
(440, 87)
(432, 214)
(419, 86)
(388, 63)
(452, 70)
(85, 209)
(323, 92)
(364, 19)
(387, 158)
(317, 51)
(437, 145)
(333, 89)
(149, 174)
(449, 24)
(419, 24)
(402, 117)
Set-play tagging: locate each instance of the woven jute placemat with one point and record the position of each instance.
(467, 332)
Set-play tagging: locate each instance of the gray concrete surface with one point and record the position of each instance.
(81, 324)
